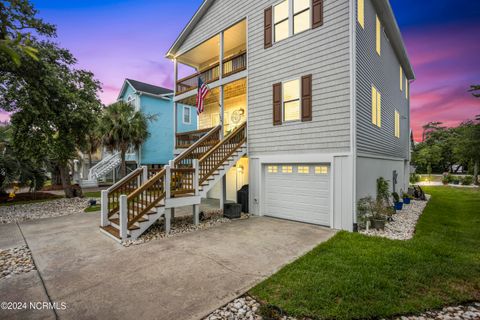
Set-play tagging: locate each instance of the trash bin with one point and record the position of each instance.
(242, 198)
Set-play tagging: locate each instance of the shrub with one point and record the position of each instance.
(467, 180)
(383, 193)
(447, 178)
(455, 180)
(396, 197)
(414, 178)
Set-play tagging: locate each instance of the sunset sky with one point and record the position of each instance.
(126, 38)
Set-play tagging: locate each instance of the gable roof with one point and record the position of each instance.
(383, 8)
(148, 88)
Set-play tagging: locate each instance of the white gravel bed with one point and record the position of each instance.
(242, 308)
(404, 224)
(465, 312)
(247, 308)
(41, 210)
(181, 225)
(15, 261)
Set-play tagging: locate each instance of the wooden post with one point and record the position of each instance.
(104, 209)
(123, 217)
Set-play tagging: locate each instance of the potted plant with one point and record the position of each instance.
(406, 198)
(446, 179)
(396, 200)
(364, 212)
(379, 215)
(456, 180)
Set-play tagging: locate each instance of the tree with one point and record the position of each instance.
(468, 144)
(475, 90)
(427, 156)
(93, 142)
(431, 127)
(122, 127)
(17, 21)
(54, 107)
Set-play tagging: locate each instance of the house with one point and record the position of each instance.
(309, 106)
(159, 148)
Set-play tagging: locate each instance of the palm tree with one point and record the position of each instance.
(122, 127)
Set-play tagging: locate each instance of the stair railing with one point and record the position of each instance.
(110, 201)
(199, 148)
(96, 168)
(217, 155)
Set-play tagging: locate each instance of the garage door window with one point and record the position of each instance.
(272, 169)
(303, 169)
(321, 170)
(287, 169)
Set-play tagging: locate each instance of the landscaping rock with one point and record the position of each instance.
(15, 261)
(181, 225)
(405, 221)
(463, 312)
(41, 210)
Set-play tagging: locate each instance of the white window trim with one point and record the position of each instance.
(299, 100)
(290, 18)
(190, 115)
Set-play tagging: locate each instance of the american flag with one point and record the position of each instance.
(203, 91)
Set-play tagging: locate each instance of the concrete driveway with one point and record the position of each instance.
(183, 277)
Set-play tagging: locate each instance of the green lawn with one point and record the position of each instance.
(354, 276)
(94, 194)
(94, 208)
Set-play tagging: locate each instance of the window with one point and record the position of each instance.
(287, 169)
(281, 20)
(272, 169)
(187, 116)
(397, 124)
(303, 169)
(406, 88)
(291, 100)
(361, 12)
(130, 100)
(401, 79)
(376, 107)
(321, 170)
(378, 37)
(301, 15)
(297, 10)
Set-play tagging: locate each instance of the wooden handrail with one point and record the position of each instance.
(228, 138)
(216, 156)
(194, 132)
(133, 175)
(197, 145)
(124, 186)
(146, 185)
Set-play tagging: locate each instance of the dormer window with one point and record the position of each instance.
(130, 100)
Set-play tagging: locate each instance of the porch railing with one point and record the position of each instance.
(185, 140)
(199, 148)
(214, 158)
(231, 65)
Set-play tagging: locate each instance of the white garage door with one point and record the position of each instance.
(298, 192)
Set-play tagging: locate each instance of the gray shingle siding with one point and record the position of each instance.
(323, 52)
(384, 73)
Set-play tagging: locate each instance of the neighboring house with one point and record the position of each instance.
(324, 89)
(158, 149)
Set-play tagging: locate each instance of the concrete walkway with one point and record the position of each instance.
(183, 277)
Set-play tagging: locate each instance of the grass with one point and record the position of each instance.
(94, 208)
(354, 276)
(94, 194)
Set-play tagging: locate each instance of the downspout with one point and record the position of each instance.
(353, 86)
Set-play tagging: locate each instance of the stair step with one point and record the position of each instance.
(117, 221)
(112, 230)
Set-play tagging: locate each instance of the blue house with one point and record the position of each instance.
(158, 101)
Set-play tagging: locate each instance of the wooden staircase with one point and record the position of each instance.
(136, 202)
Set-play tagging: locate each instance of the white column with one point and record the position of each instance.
(221, 55)
(195, 177)
(196, 214)
(175, 125)
(145, 174)
(123, 217)
(104, 209)
(168, 218)
(168, 176)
